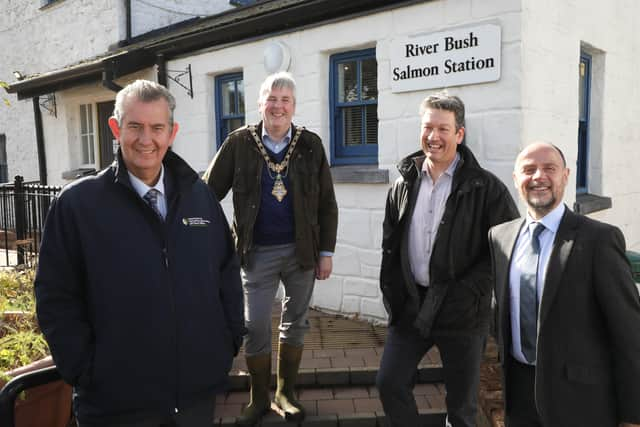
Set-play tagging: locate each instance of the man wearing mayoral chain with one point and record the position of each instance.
(285, 222)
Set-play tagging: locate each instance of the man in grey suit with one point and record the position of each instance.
(568, 313)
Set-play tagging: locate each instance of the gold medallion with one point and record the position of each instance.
(279, 190)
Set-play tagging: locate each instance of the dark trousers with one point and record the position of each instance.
(521, 409)
(199, 414)
(461, 357)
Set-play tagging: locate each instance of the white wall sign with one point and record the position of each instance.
(448, 58)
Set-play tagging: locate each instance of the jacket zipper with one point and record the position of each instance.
(171, 207)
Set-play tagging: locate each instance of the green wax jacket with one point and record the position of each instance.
(238, 166)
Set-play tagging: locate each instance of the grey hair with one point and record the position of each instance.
(444, 101)
(144, 91)
(278, 80)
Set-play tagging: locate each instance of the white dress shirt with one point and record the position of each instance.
(551, 222)
(142, 189)
(427, 214)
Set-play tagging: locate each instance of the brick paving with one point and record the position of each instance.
(337, 377)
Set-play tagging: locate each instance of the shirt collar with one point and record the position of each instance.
(286, 138)
(551, 221)
(450, 170)
(142, 188)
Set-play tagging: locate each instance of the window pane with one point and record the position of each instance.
(352, 125)
(89, 119)
(91, 150)
(83, 119)
(584, 76)
(240, 97)
(85, 152)
(233, 124)
(228, 98)
(371, 120)
(369, 79)
(347, 82)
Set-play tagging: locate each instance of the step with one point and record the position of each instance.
(337, 388)
(356, 366)
(336, 381)
(339, 406)
(350, 376)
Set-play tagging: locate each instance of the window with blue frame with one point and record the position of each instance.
(354, 107)
(229, 105)
(241, 2)
(584, 98)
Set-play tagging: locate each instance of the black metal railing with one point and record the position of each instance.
(23, 209)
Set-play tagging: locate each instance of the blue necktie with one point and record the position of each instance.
(528, 296)
(152, 199)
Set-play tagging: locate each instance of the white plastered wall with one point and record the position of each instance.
(553, 34)
(493, 119)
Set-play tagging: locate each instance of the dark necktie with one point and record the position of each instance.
(528, 296)
(152, 199)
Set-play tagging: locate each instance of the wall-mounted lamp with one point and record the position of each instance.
(18, 75)
(276, 57)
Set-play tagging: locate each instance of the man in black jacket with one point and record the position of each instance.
(435, 273)
(138, 287)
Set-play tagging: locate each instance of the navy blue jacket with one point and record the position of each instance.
(143, 317)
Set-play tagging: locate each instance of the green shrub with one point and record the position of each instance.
(19, 348)
(20, 339)
(16, 291)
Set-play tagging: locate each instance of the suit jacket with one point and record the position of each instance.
(588, 354)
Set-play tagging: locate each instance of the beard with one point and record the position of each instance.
(542, 204)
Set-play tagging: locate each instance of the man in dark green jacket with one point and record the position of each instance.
(285, 223)
(435, 273)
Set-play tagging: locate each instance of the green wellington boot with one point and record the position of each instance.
(288, 363)
(260, 372)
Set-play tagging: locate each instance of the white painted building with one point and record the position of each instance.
(41, 36)
(559, 71)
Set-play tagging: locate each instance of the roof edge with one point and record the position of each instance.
(261, 19)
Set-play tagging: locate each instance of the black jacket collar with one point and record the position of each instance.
(181, 173)
(408, 167)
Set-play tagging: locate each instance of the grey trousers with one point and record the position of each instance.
(266, 267)
(403, 350)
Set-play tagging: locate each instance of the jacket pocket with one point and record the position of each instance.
(459, 310)
(589, 375)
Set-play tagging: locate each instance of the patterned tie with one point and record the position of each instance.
(528, 296)
(152, 199)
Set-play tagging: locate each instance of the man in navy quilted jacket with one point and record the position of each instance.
(138, 286)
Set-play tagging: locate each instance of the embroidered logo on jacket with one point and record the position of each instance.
(195, 222)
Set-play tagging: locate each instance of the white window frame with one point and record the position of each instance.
(88, 152)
